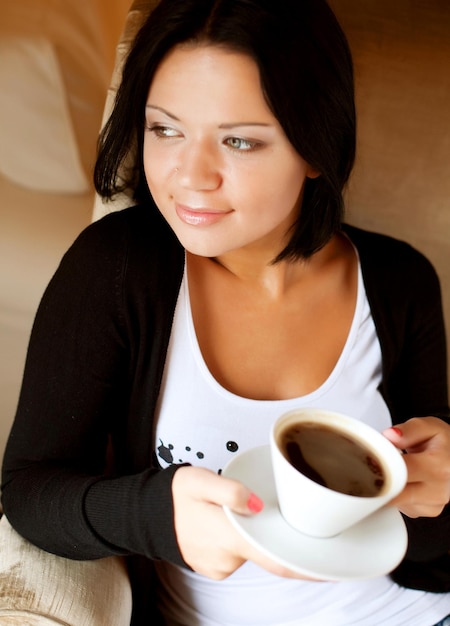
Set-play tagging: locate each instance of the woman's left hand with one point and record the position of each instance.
(426, 441)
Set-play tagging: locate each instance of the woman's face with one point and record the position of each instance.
(217, 162)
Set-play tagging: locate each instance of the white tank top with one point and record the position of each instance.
(200, 422)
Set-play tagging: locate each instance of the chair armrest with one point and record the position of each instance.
(41, 589)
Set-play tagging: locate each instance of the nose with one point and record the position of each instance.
(199, 167)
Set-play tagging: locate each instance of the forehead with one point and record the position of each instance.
(209, 78)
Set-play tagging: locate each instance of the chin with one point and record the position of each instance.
(204, 248)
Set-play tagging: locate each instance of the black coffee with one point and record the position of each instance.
(333, 459)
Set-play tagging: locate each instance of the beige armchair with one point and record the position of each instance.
(40, 589)
(139, 10)
(401, 186)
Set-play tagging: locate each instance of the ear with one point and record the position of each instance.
(311, 172)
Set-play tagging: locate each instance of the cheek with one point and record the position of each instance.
(156, 171)
(294, 183)
(281, 193)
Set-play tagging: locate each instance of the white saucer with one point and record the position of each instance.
(373, 547)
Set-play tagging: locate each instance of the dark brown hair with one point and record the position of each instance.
(306, 75)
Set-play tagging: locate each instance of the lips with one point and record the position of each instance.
(200, 216)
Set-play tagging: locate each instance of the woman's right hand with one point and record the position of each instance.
(208, 542)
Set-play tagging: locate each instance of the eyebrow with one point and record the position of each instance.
(223, 126)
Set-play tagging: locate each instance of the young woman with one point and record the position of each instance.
(175, 332)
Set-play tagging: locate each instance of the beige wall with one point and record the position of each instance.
(401, 182)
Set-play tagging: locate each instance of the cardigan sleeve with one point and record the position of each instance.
(405, 298)
(418, 387)
(75, 397)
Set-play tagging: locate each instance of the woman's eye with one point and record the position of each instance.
(244, 145)
(163, 132)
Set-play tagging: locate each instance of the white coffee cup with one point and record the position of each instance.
(350, 455)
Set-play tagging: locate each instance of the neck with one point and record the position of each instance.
(259, 275)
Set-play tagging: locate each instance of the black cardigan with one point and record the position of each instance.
(92, 378)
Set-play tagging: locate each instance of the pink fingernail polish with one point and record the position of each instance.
(255, 504)
(397, 431)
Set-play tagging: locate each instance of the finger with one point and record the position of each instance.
(210, 487)
(251, 553)
(427, 443)
(416, 501)
(234, 495)
(419, 433)
(429, 466)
